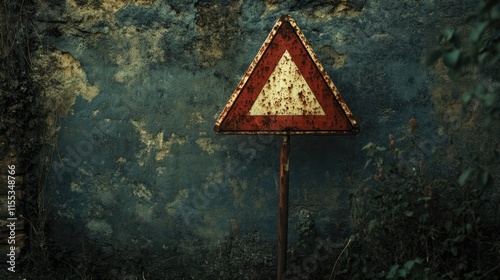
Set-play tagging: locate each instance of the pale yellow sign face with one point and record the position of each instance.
(286, 93)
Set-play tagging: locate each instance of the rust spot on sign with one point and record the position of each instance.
(286, 91)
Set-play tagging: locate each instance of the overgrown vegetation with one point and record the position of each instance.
(20, 108)
(241, 257)
(479, 56)
(413, 225)
(22, 129)
(418, 219)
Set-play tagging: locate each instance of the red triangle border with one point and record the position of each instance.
(286, 35)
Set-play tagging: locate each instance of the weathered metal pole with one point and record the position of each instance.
(283, 207)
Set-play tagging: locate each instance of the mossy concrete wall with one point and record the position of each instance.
(139, 183)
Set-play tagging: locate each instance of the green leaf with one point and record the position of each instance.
(368, 163)
(454, 250)
(495, 12)
(449, 34)
(478, 31)
(451, 58)
(403, 272)
(490, 99)
(467, 96)
(392, 271)
(468, 227)
(462, 179)
(369, 145)
(409, 264)
(381, 149)
(480, 91)
(459, 238)
(482, 58)
(484, 177)
(408, 213)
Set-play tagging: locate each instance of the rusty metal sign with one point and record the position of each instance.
(286, 90)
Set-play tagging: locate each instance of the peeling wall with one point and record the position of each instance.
(133, 89)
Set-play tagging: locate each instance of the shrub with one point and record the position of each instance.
(411, 224)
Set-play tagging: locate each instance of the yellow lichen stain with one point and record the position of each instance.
(161, 147)
(130, 60)
(324, 12)
(65, 77)
(67, 214)
(239, 189)
(161, 169)
(135, 50)
(208, 145)
(141, 191)
(270, 6)
(143, 2)
(99, 227)
(380, 37)
(121, 76)
(164, 147)
(448, 109)
(115, 5)
(337, 59)
(121, 160)
(83, 16)
(85, 172)
(196, 118)
(61, 79)
(260, 202)
(345, 9)
(176, 204)
(105, 9)
(76, 187)
(215, 178)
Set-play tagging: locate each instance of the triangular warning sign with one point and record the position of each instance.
(286, 91)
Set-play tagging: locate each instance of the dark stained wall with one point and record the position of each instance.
(139, 182)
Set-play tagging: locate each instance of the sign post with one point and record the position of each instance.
(286, 91)
(283, 206)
